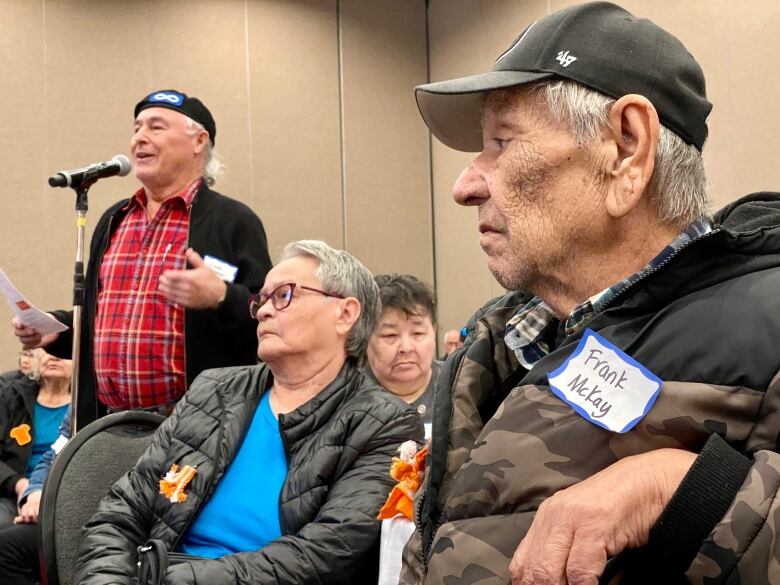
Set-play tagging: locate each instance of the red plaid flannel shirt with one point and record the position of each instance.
(139, 335)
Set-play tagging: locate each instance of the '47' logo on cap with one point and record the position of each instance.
(175, 99)
(565, 59)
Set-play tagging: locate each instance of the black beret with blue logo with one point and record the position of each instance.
(180, 102)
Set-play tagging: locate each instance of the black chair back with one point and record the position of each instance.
(80, 477)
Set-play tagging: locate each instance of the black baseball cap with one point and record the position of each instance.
(191, 107)
(599, 45)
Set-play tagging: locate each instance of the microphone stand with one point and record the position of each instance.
(78, 298)
(80, 180)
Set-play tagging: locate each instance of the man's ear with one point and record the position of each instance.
(350, 312)
(634, 129)
(201, 140)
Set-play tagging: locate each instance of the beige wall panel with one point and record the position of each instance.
(733, 42)
(465, 38)
(199, 47)
(22, 146)
(95, 66)
(388, 210)
(294, 113)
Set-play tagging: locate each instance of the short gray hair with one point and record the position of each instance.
(343, 274)
(678, 186)
(212, 165)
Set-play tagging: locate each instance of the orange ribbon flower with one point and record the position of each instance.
(175, 481)
(407, 470)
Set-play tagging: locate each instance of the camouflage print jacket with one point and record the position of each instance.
(707, 323)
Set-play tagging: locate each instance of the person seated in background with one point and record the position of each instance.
(30, 415)
(453, 339)
(29, 363)
(19, 542)
(401, 350)
(273, 473)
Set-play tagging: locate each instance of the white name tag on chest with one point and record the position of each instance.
(225, 271)
(605, 385)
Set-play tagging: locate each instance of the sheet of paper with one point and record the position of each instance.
(26, 312)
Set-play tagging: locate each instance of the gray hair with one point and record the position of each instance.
(35, 369)
(678, 186)
(343, 274)
(212, 165)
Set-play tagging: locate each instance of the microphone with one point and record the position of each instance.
(119, 165)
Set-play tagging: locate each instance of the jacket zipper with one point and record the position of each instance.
(284, 484)
(212, 480)
(427, 544)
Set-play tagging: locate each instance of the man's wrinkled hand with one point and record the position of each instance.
(198, 287)
(577, 529)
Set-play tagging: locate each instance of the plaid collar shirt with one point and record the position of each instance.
(139, 335)
(525, 330)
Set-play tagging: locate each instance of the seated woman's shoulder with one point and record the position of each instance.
(372, 397)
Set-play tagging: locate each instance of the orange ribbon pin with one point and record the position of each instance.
(175, 481)
(407, 470)
(21, 434)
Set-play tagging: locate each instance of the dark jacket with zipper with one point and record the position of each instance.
(17, 407)
(339, 447)
(218, 226)
(707, 322)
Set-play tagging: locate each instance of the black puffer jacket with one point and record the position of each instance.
(17, 405)
(339, 447)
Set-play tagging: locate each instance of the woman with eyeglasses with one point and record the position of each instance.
(273, 473)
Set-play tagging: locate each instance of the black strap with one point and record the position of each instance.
(152, 563)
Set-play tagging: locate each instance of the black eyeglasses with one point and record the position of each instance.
(281, 297)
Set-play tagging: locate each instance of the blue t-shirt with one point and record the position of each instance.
(46, 423)
(243, 513)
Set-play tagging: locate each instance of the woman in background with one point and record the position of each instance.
(29, 365)
(31, 410)
(401, 350)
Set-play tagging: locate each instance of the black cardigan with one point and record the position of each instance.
(219, 226)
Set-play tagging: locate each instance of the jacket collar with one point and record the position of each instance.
(311, 416)
(757, 211)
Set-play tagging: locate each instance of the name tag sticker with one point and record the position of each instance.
(59, 444)
(605, 385)
(225, 271)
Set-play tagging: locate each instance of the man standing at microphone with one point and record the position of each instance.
(170, 271)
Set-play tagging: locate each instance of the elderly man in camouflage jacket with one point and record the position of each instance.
(620, 421)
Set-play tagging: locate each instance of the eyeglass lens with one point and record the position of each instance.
(281, 297)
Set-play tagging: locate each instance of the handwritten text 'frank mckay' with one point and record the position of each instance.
(581, 385)
(604, 384)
